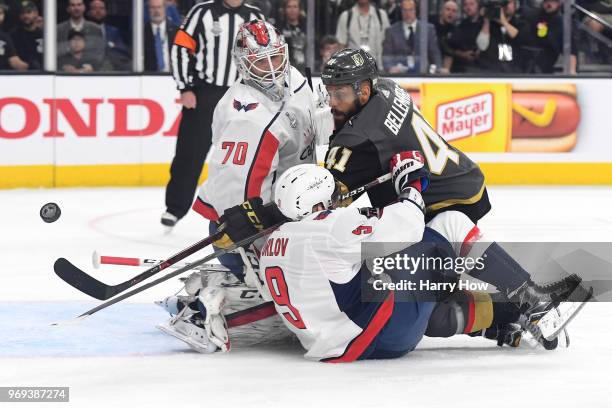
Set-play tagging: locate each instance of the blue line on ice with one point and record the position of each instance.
(121, 330)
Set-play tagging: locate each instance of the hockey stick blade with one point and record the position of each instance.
(81, 281)
(85, 283)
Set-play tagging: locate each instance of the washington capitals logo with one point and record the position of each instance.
(249, 106)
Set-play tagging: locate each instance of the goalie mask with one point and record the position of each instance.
(261, 55)
(302, 187)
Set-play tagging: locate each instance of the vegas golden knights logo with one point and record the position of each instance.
(358, 59)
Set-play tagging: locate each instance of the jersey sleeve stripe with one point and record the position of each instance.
(185, 40)
(470, 239)
(205, 210)
(360, 343)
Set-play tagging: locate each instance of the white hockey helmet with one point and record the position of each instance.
(262, 57)
(302, 187)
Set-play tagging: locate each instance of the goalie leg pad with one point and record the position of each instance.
(212, 299)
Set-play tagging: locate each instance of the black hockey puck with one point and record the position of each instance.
(50, 212)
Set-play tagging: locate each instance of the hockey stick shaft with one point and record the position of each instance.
(101, 291)
(218, 253)
(179, 271)
(359, 190)
(98, 260)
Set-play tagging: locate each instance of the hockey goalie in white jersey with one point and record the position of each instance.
(265, 123)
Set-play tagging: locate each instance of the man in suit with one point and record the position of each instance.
(117, 52)
(159, 36)
(91, 32)
(401, 48)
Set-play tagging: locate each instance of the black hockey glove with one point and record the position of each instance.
(247, 219)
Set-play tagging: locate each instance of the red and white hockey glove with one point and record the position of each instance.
(408, 170)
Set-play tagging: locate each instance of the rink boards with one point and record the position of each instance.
(59, 131)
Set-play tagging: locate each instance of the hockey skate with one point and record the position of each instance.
(529, 295)
(546, 320)
(190, 331)
(168, 221)
(504, 334)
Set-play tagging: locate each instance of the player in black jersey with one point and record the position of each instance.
(376, 118)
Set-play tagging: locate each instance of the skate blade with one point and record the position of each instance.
(208, 349)
(551, 324)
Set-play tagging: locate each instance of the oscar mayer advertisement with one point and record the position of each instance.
(502, 117)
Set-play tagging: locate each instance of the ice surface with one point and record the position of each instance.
(117, 358)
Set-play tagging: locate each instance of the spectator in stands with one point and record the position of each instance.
(77, 60)
(28, 36)
(462, 41)
(116, 51)
(497, 40)
(111, 34)
(172, 10)
(11, 14)
(402, 46)
(394, 11)
(91, 32)
(543, 30)
(445, 23)
(8, 57)
(363, 26)
(159, 36)
(329, 46)
(293, 27)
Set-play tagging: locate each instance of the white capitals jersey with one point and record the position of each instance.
(255, 140)
(301, 260)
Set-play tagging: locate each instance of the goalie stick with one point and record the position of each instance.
(89, 285)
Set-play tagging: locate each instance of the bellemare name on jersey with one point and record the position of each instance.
(400, 107)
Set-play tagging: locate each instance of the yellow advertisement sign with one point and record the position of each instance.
(510, 117)
(473, 117)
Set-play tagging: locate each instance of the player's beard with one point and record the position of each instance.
(341, 117)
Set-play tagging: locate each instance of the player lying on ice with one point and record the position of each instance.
(313, 271)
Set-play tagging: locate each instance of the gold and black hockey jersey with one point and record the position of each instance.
(390, 123)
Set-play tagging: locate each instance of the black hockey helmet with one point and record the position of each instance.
(350, 67)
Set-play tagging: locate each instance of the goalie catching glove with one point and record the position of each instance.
(247, 219)
(410, 177)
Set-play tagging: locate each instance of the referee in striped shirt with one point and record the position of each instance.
(203, 69)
